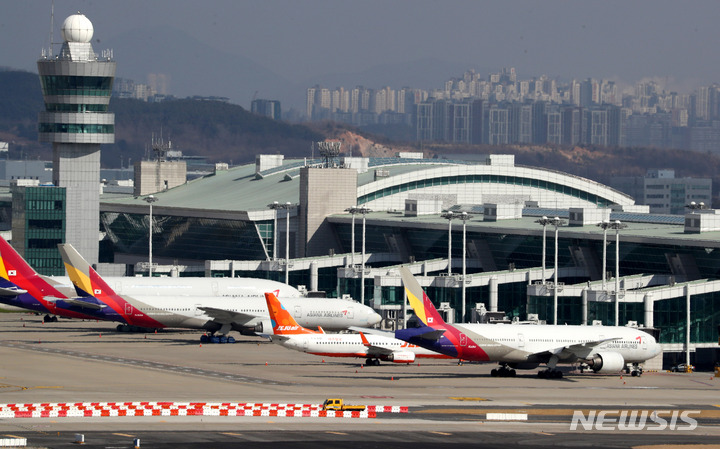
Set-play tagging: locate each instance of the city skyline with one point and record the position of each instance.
(280, 47)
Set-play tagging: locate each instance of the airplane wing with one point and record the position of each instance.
(9, 292)
(374, 350)
(580, 350)
(228, 316)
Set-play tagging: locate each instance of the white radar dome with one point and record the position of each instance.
(77, 28)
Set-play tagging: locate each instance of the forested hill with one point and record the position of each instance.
(224, 132)
(220, 131)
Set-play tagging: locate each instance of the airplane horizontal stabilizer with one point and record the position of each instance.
(82, 303)
(424, 332)
(372, 331)
(9, 292)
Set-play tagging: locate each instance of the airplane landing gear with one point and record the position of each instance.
(50, 319)
(372, 362)
(212, 338)
(550, 373)
(503, 371)
(635, 370)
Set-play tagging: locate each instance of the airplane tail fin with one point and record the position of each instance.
(86, 280)
(419, 301)
(282, 321)
(16, 271)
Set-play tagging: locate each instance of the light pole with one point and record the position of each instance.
(364, 211)
(544, 221)
(464, 216)
(617, 226)
(287, 207)
(604, 225)
(150, 199)
(449, 215)
(557, 222)
(274, 206)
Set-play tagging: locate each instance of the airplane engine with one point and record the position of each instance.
(607, 362)
(263, 327)
(402, 357)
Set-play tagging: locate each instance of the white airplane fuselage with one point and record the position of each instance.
(208, 303)
(351, 345)
(514, 343)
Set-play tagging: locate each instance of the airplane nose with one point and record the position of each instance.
(374, 318)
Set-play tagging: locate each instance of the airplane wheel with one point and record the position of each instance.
(368, 362)
(512, 373)
(494, 372)
(557, 375)
(204, 338)
(541, 374)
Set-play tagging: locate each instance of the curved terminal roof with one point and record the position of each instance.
(384, 186)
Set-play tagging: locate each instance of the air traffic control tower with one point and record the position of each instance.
(76, 85)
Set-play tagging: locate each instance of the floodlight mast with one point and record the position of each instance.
(544, 221)
(617, 226)
(449, 216)
(150, 199)
(364, 211)
(329, 152)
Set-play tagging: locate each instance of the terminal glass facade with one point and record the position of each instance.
(183, 238)
(486, 179)
(39, 226)
(671, 318)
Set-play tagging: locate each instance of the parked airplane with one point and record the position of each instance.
(215, 304)
(22, 287)
(606, 349)
(287, 332)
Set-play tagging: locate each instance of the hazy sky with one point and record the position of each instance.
(304, 39)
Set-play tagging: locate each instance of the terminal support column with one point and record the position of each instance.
(493, 294)
(649, 310)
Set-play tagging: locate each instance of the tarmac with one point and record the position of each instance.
(75, 362)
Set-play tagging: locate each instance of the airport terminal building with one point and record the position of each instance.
(340, 226)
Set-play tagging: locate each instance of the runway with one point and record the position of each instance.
(449, 404)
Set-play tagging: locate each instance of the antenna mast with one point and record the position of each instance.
(52, 25)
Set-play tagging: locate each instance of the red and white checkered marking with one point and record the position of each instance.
(100, 409)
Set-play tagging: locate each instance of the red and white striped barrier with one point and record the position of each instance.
(114, 409)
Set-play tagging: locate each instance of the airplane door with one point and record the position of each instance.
(305, 345)
(463, 340)
(128, 309)
(644, 344)
(298, 312)
(198, 312)
(350, 313)
(521, 340)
